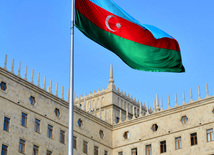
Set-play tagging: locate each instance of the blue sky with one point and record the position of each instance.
(37, 34)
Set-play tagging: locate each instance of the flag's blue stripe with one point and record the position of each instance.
(112, 7)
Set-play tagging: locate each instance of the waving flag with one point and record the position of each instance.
(142, 47)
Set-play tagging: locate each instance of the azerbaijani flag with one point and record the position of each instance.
(142, 47)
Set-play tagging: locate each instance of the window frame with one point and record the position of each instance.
(35, 149)
(120, 153)
(85, 147)
(3, 86)
(185, 119)
(193, 136)
(4, 150)
(62, 137)
(163, 146)
(96, 150)
(155, 127)
(57, 112)
(24, 120)
(50, 131)
(37, 125)
(74, 142)
(22, 146)
(149, 148)
(210, 134)
(32, 100)
(178, 141)
(48, 152)
(6, 126)
(134, 151)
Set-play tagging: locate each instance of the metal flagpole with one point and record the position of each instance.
(70, 123)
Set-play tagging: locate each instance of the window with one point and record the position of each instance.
(4, 150)
(210, 135)
(50, 131)
(3, 86)
(154, 127)
(213, 111)
(126, 135)
(163, 146)
(37, 126)
(193, 138)
(6, 124)
(22, 146)
(57, 113)
(74, 142)
(184, 119)
(105, 152)
(80, 123)
(32, 100)
(178, 143)
(149, 149)
(85, 147)
(117, 119)
(101, 134)
(62, 137)
(120, 153)
(24, 120)
(49, 152)
(95, 150)
(134, 151)
(35, 150)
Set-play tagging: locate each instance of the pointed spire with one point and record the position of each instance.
(5, 62)
(147, 106)
(50, 90)
(176, 104)
(169, 103)
(62, 97)
(161, 104)
(25, 72)
(140, 111)
(184, 98)
(191, 100)
(157, 103)
(38, 81)
(56, 89)
(199, 93)
(12, 67)
(44, 83)
(19, 69)
(32, 76)
(207, 90)
(68, 95)
(111, 80)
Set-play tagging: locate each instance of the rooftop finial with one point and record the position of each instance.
(44, 83)
(168, 102)
(207, 90)
(38, 80)
(56, 89)
(191, 100)
(111, 80)
(12, 70)
(183, 98)
(161, 103)
(157, 103)
(50, 91)
(176, 104)
(32, 76)
(25, 72)
(62, 93)
(68, 95)
(19, 69)
(199, 93)
(5, 62)
(147, 107)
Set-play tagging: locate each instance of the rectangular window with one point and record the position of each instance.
(210, 135)
(35, 150)
(95, 150)
(134, 151)
(22, 146)
(50, 131)
(6, 124)
(149, 149)
(178, 143)
(37, 126)
(105, 152)
(74, 142)
(193, 138)
(4, 149)
(49, 152)
(62, 137)
(120, 153)
(163, 146)
(85, 147)
(24, 120)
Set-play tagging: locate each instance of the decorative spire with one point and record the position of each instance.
(191, 100)
(12, 67)
(169, 103)
(32, 76)
(111, 80)
(176, 104)
(157, 103)
(147, 106)
(19, 69)
(62, 97)
(199, 93)
(56, 89)
(68, 95)
(140, 111)
(25, 73)
(38, 81)
(50, 91)
(183, 98)
(207, 90)
(161, 104)
(5, 62)
(44, 83)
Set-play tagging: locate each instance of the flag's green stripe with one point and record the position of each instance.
(137, 56)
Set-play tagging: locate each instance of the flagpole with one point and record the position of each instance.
(71, 85)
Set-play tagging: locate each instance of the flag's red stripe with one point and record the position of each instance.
(128, 30)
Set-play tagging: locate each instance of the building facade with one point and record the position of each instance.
(34, 120)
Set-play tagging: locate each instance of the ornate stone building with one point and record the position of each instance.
(34, 120)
